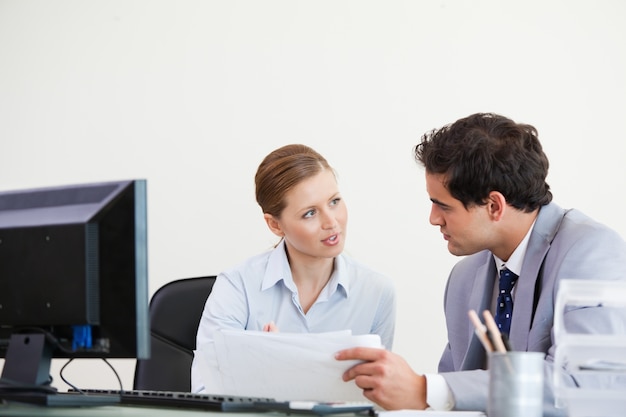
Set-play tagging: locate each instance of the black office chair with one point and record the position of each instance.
(175, 311)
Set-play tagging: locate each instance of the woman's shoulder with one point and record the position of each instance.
(251, 266)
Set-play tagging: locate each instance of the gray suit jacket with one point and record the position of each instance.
(564, 244)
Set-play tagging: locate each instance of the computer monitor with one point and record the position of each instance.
(73, 277)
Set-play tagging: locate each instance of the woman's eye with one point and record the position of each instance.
(309, 213)
(335, 201)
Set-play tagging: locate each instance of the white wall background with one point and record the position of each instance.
(191, 95)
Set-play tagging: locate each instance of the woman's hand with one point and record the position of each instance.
(270, 327)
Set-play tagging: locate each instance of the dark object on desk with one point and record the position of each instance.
(175, 311)
(73, 279)
(317, 408)
(187, 400)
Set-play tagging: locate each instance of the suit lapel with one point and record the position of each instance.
(480, 300)
(546, 226)
(524, 304)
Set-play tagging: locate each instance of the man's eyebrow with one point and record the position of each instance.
(439, 203)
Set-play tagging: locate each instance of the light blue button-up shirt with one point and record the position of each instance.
(261, 290)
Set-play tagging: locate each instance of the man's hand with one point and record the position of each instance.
(386, 378)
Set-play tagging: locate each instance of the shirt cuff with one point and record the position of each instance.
(438, 394)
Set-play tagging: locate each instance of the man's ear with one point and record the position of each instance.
(496, 205)
(273, 224)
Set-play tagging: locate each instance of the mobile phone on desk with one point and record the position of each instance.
(317, 408)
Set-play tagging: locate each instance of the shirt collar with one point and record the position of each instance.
(340, 276)
(514, 264)
(278, 269)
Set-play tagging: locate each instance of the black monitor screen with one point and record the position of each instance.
(73, 276)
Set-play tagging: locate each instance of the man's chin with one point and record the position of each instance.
(455, 250)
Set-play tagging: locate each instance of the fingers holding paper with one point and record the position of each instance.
(386, 378)
(270, 327)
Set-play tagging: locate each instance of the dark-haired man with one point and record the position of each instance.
(485, 175)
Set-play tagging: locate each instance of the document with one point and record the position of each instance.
(285, 366)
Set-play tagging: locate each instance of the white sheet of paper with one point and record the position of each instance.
(206, 362)
(288, 366)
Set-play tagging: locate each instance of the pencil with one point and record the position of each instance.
(480, 330)
(493, 329)
(507, 342)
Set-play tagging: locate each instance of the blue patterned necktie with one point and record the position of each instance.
(504, 305)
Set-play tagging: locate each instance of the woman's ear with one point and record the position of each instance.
(273, 224)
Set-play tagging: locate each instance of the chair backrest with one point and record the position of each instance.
(175, 311)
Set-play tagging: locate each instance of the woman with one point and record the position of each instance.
(305, 284)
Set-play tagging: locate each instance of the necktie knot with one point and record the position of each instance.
(504, 306)
(507, 281)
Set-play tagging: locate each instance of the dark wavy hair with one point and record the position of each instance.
(487, 152)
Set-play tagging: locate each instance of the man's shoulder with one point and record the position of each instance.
(578, 225)
(584, 244)
(556, 224)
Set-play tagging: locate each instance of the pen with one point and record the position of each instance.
(493, 329)
(481, 331)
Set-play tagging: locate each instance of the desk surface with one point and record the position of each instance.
(26, 410)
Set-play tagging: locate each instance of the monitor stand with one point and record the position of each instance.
(27, 361)
(26, 376)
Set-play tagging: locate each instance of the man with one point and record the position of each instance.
(485, 175)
